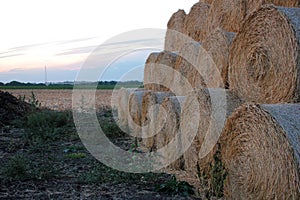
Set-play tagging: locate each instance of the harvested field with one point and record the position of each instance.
(62, 99)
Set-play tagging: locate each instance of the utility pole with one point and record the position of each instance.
(46, 81)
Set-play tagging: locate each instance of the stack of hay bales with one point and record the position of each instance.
(243, 66)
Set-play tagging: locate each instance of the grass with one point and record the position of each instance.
(48, 126)
(53, 151)
(218, 176)
(174, 187)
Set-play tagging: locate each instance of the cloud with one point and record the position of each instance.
(77, 50)
(76, 40)
(12, 55)
(26, 47)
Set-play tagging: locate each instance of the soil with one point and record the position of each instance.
(11, 108)
(64, 169)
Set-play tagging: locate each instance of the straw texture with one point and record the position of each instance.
(175, 24)
(264, 63)
(195, 21)
(150, 108)
(260, 152)
(135, 111)
(149, 78)
(167, 128)
(215, 105)
(123, 107)
(217, 45)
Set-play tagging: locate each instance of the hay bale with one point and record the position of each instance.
(260, 150)
(150, 108)
(175, 26)
(264, 63)
(196, 67)
(135, 112)
(187, 70)
(149, 72)
(195, 21)
(203, 131)
(206, 1)
(283, 3)
(230, 14)
(163, 75)
(167, 130)
(217, 45)
(123, 107)
(158, 71)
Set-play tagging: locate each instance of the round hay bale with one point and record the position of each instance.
(260, 152)
(135, 112)
(163, 76)
(187, 71)
(149, 72)
(175, 24)
(230, 14)
(217, 46)
(264, 62)
(226, 14)
(195, 21)
(167, 129)
(122, 107)
(206, 1)
(150, 108)
(283, 3)
(213, 104)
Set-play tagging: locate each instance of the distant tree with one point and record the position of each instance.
(15, 83)
(2, 84)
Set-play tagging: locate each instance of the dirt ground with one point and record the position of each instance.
(42, 156)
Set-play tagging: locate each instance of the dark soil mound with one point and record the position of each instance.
(11, 108)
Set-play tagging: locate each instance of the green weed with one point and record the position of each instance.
(175, 187)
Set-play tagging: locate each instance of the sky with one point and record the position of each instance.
(62, 35)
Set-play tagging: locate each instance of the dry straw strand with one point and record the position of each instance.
(260, 152)
(264, 63)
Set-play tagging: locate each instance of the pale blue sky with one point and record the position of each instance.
(62, 34)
